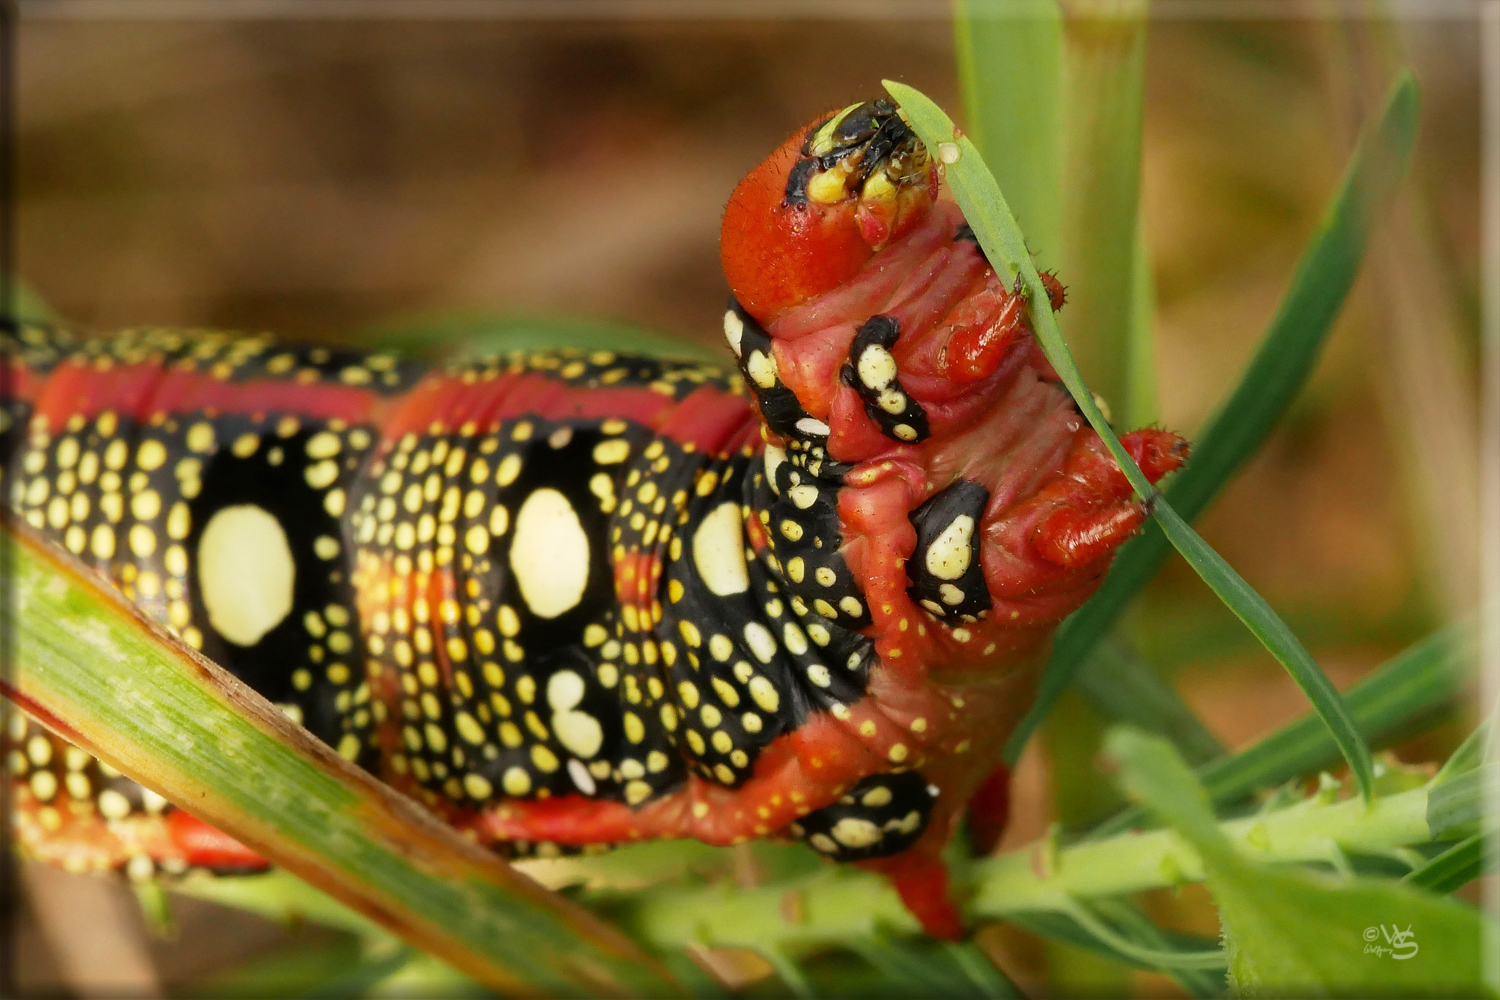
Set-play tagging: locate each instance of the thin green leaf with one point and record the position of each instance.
(909, 968)
(1010, 67)
(1060, 925)
(1134, 925)
(1409, 687)
(987, 213)
(1153, 958)
(1458, 865)
(1462, 799)
(1273, 633)
(992, 982)
(91, 667)
(1127, 689)
(1470, 753)
(1104, 64)
(1281, 366)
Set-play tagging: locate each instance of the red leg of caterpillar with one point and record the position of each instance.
(1099, 510)
(989, 810)
(922, 882)
(206, 847)
(1071, 537)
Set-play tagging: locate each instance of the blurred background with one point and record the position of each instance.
(319, 178)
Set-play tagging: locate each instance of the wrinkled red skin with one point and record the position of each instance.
(1059, 505)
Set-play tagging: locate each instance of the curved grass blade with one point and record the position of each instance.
(1281, 366)
(90, 667)
(985, 209)
(1010, 65)
(1127, 689)
(1410, 686)
(1458, 865)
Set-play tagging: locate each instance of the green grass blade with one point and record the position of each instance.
(1281, 365)
(1470, 753)
(1104, 70)
(987, 213)
(1458, 865)
(1462, 799)
(1274, 634)
(1128, 690)
(1010, 68)
(89, 666)
(1140, 383)
(1411, 686)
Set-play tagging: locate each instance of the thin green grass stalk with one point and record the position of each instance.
(1281, 366)
(1140, 406)
(839, 904)
(1458, 865)
(987, 213)
(1104, 69)
(1010, 58)
(1129, 690)
(92, 668)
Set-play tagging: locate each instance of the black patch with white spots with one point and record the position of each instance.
(749, 660)
(779, 406)
(871, 372)
(318, 639)
(526, 701)
(882, 814)
(944, 570)
(799, 512)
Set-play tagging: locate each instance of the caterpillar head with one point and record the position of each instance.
(815, 211)
(899, 381)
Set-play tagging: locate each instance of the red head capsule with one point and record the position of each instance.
(816, 210)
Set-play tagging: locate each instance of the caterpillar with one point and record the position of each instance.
(576, 599)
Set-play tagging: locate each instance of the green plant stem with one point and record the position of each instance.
(1010, 68)
(1103, 81)
(837, 903)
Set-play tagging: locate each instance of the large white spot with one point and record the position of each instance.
(734, 331)
(774, 457)
(948, 556)
(719, 551)
(877, 369)
(813, 426)
(550, 554)
(577, 731)
(762, 643)
(245, 572)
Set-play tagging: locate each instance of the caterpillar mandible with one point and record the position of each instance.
(573, 599)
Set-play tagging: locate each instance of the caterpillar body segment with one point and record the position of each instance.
(572, 599)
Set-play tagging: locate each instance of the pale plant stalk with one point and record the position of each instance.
(1104, 61)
